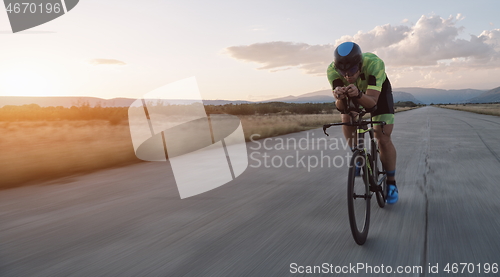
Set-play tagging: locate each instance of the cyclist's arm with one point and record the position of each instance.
(339, 94)
(340, 103)
(369, 99)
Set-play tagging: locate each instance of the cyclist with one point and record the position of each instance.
(361, 77)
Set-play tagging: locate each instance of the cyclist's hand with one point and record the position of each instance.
(352, 90)
(339, 93)
(353, 113)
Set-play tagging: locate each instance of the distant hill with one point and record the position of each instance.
(319, 96)
(487, 97)
(432, 95)
(224, 102)
(63, 101)
(401, 96)
(93, 101)
(322, 96)
(414, 94)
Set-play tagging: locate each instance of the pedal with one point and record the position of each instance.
(364, 196)
(375, 188)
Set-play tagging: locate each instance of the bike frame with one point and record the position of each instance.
(370, 168)
(362, 125)
(359, 145)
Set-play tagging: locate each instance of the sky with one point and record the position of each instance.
(247, 50)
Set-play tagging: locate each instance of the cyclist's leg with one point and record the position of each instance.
(387, 150)
(388, 159)
(385, 112)
(349, 131)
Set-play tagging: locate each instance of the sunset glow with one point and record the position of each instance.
(20, 82)
(254, 50)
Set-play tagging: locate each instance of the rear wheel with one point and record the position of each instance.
(378, 179)
(358, 199)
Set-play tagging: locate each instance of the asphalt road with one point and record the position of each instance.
(271, 220)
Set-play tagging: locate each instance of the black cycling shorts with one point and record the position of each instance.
(385, 103)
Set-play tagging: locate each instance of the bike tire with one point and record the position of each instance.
(378, 175)
(358, 199)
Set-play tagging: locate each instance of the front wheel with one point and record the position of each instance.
(358, 198)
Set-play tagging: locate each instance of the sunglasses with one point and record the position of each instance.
(349, 72)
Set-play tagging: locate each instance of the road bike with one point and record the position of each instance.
(366, 173)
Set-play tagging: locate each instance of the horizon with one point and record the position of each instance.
(416, 96)
(181, 99)
(117, 97)
(247, 51)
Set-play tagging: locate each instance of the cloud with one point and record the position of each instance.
(432, 42)
(492, 38)
(434, 39)
(379, 37)
(259, 28)
(281, 55)
(106, 62)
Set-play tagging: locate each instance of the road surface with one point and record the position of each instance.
(277, 220)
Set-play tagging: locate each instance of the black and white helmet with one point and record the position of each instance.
(347, 56)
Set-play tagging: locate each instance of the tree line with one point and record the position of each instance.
(34, 112)
(83, 111)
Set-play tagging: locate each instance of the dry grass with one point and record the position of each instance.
(33, 151)
(491, 109)
(275, 125)
(399, 109)
(45, 150)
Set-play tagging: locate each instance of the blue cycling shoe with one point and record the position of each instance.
(358, 169)
(392, 194)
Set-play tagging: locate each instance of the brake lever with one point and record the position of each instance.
(324, 130)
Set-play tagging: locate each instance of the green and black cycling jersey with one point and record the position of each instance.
(372, 76)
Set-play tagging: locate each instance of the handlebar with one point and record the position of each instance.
(361, 123)
(353, 107)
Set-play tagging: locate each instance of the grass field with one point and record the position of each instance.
(491, 109)
(47, 150)
(34, 151)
